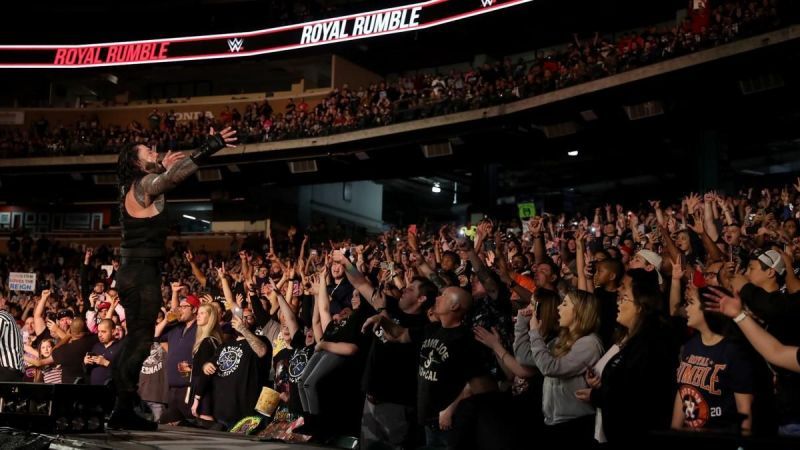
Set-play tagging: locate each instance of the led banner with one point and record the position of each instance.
(399, 19)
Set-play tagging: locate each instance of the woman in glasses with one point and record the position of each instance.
(631, 385)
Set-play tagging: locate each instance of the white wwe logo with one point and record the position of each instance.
(236, 44)
(486, 3)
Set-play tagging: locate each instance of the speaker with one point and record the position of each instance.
(55, 408)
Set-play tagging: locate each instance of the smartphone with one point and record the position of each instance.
(237, 311)
(536, 308)
(91, 354)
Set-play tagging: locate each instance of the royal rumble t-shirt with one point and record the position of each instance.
(708, 377)
(238, 380)
(448, 359)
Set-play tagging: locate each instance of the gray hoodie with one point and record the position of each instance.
(562, 376)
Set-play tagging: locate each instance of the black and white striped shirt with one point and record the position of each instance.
(10, 342)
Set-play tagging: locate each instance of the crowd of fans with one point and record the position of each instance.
(477, 336)
(415, 96)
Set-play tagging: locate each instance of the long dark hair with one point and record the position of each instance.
(646, 296)
(128, 168)
(547, 312)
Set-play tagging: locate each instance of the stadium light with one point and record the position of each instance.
(572, 153)
(186, 216)
(436, 188)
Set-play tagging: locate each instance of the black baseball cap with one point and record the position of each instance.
(66, 313)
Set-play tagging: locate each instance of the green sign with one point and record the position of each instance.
(526, 210)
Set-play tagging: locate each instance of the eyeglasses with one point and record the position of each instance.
(623, 298)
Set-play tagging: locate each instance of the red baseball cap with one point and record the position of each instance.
(192, 300)
(104, 305)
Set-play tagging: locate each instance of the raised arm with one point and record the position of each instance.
(488, 282)
(39, 324)
(424, 268)
(580, 259)
(180, 167)
(584, 352)
(708, 222)
(256, 344)
(675, 293)
(359, 281)
(323, 301)
(195, 269)
(289, 316)
(504, 357)
(537, 234)
(766, 344)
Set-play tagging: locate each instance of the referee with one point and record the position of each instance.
(10, 348)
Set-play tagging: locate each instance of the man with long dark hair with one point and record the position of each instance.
(143, 181)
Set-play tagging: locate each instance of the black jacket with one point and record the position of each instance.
(637, 386)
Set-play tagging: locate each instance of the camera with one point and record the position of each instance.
(50, 315)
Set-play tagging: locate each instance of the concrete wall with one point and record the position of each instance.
(354, 75)
(365, 207)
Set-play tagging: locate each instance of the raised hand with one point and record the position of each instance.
(487, 338)
(718, 301)
(698, 226)
(189, 256)
(172, 158)
(221, 272)
(677, 269)
(655, 204)
(797, 185)
(228, 135)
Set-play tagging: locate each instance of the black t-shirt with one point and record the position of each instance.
(708, 377)
(70, 356)
(238, 380)
(780, 313)
(446, 362)
(390, 373)
(289, 366)
(341, 295)
(347, 330)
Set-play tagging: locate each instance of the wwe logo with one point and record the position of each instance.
(236, 44)
(486, 3)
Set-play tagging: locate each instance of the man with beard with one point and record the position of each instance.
(390, 377)
(145, 223)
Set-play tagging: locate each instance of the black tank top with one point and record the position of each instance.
(149, 233)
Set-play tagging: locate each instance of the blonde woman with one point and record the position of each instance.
(209, 337)
(563, 362)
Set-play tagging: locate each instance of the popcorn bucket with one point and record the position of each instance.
(268, 401)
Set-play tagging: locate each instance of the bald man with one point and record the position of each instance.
(448, 372)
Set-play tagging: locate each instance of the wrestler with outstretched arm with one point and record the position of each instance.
(145, 222)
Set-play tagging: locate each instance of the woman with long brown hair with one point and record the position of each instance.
(563, 362)
(209, 337)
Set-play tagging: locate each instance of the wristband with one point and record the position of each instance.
(742, 315)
